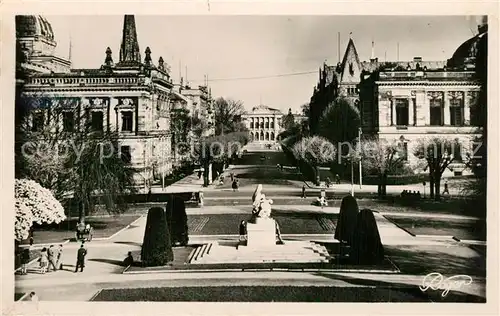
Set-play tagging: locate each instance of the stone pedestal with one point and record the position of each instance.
(262, 233)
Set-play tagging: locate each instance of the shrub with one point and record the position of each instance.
(177, 220)
(397, 179)
(156, 247)
(367, 247)
(346, 224)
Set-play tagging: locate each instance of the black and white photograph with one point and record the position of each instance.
(251, 158)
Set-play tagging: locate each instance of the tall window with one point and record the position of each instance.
(126, 154)
(267, 123)
(127, 121)
(262, 124)
(251, 124)
(456, 112)
(68, 121)
(436, 112)
(38, 119)
(97, 121)
(272, 123)
(402, 112)
(457, 151)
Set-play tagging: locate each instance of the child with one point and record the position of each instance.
(25, 259)
(44, 260)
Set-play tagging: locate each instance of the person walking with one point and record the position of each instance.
(52, 256)
(243, 231)
(303, 191)
(446, 187)
(80, 258)
(337, 178)
(60, 257)
(25, 260)
(44, 260)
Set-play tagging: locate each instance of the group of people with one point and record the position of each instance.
(409, 195)
(51, 258)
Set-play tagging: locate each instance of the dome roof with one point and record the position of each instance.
(465, 55)
(33, 25)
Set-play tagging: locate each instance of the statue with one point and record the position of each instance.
(261, 205)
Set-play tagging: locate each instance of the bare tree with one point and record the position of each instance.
(382, 157)
(227, 116)
(438, 153)
(314, 151)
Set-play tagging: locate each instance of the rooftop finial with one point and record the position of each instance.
(129, 50)
(147, 59)
(109, 59)
(373, 50)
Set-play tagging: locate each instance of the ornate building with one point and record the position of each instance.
(264, 124)
(132, 97)
(403, 101)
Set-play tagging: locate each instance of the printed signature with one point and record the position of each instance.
(436, 281)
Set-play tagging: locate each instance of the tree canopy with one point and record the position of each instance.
(227, 116)
(340, 122)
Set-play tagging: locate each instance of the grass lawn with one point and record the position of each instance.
(181, 255)
(273, 294)
(228, 224)
(103, 227)
(447, 259)
(459, 228)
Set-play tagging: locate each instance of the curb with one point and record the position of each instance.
(23, 297)
(95, 295)
(266, 270)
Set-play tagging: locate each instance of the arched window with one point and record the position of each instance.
(261, 135)
(256, 136)
(251, 136)
(272, 135)
(267, 135)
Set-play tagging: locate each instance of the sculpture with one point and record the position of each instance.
(261, 205)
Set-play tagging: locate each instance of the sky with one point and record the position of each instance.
(231, 48)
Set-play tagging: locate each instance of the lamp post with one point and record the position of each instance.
(360, 165)
(352, 176)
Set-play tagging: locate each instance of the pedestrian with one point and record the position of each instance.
(328, 182)
(25, 259)
(129, 260)
(33, 297)
(199, 174)
(60, 257)
(52, 256)
(446, 187)
(303, 191)
(32, 237)
(200, 198)
(337, 178)
(80, 258)
(44, 260)
(232, 176)
(243, 231)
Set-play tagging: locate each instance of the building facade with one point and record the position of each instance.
(131, 97)
(264, 124)
(404, 101)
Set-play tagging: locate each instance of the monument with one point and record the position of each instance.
(261, 229)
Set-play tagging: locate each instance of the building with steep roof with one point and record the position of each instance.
(133, 96)
(405, 100)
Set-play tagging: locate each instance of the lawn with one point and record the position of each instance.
(291, 223)
(272, 294)
(181, 255)
(467, 229)
(103, 227)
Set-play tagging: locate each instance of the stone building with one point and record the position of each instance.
(406, 100)
(264, 124)
(132, 96)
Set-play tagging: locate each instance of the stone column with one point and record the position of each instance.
(393, 112)
(467, 103)
(411, 110)
(113, 117)
(446, 115)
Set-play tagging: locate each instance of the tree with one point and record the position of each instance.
(156, 247)
(72, 158)
(438, 153)
(177, 220)
(367, 246)
(382, 157)
(340, 121)
(227, 116)
(288, 120)
(346, 225)
(314, 151)
(34, 203)
(218, 149)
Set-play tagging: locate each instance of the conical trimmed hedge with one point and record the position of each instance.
(156, 247)
(177, 220)
(367, 247)
(346, 224)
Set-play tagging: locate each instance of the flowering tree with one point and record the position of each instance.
(382, 157)
(314, 151)
(438, 153)
(36, 204)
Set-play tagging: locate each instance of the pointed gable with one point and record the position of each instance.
(350, 68)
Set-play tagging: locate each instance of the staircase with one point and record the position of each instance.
(290, 251)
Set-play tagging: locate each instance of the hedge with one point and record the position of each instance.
(398, 179)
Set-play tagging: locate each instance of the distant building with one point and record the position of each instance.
(407, 100)
(264, 124)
